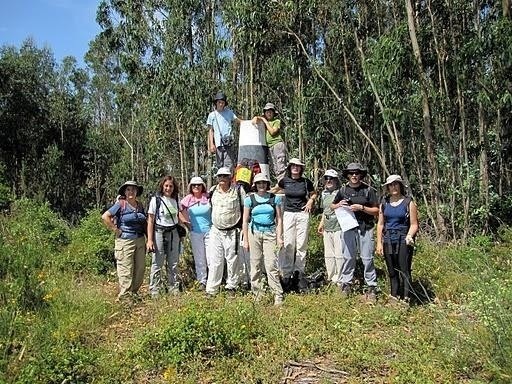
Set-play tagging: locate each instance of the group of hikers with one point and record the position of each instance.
(257, 236)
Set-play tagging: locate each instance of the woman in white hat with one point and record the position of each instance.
(396, 229)
(197, 215)
(128, 220)
(262, 230)
(275, 138)
(329, 228)
(300, 196)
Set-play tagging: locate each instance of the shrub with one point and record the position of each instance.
(198, 333)
(91, 248)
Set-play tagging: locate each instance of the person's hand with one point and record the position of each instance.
(150, 247)
(320, 230)
(309, 206)
(379, 250)
(409, 240)
(255, 120)
(357, 207)
(212, 149)
(280, 242)
(246, 245)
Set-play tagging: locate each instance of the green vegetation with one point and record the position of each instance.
(60, 322)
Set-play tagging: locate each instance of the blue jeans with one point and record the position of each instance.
(362, 241)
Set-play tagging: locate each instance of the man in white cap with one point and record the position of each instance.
(329, 228)
(361, 199)
(220, 132)
(227, 208)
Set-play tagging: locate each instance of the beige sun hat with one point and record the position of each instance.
(392, 178)
(331, 173)
(223, 171)
(260, 177)
(296, 161)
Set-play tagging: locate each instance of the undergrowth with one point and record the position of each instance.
(59, 322)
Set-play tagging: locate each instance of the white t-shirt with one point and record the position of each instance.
(168, 211)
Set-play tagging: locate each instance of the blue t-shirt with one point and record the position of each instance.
(131, 221)
(199, 212)
(221, 123)
(200, 218)
(262, 216)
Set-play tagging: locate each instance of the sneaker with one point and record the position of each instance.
(371, 296)
(345, 290)
(230, 292)
(278, 300)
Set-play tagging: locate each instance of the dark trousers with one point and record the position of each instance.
(398, 256)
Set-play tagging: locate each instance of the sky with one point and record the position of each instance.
(64, 26)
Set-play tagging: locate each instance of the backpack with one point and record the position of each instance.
(407, 201)
(245, 171)
(122, 203)
(271, 201)
(240, 202)
(366, 190)
(182, 232)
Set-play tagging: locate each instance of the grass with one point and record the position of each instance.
(77, 333)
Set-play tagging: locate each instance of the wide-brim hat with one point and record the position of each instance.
(352, 167)
(223, 171)
(260, 177)
(331, 173)
(220, 96)
(392, 178)
(295, 161)
(196, 180)
(122, 189)
(270, 106)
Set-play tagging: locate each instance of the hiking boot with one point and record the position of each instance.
(371, 295)
(285, 284)
(345, 290)
(230, 292)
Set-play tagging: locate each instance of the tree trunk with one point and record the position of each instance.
(439, 225)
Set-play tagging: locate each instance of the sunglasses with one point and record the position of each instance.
(328, 178)
(356, 173)
(197, 185)
(221, 176)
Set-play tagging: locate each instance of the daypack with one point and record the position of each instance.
(271, 201)
(245, 171)
(182, 231)
(343, 189)
(407, 201)
(240, 202)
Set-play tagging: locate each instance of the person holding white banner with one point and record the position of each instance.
(221, 140)
(362, 200)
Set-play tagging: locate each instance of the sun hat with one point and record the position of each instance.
(331, 173)
(296, 161)
(392, 178)
(220, 96)
(260, 177)
(223, 171)
(122, 189)
(269, 106)
(195, 181)
(354, 167)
